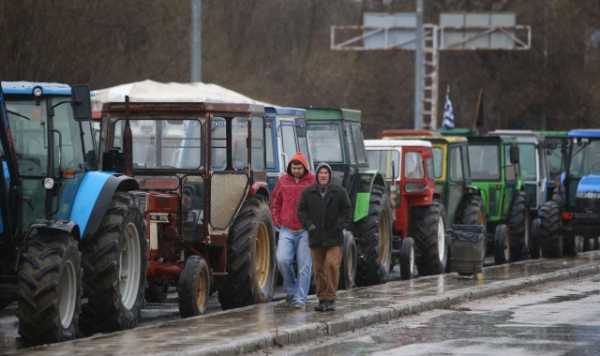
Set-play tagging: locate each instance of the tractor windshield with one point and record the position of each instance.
(162, 143)
(586, 159)
(29, 128)
(485, 162)
(325, 143)
(384, 161)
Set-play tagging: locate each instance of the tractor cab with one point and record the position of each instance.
(201, 167)
(285, 134)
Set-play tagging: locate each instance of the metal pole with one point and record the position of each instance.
(196, 47)
(419, 67)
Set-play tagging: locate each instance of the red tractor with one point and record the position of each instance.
(201, 170)
(419, 228)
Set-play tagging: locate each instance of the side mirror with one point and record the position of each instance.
(82, 107)
(514, 154)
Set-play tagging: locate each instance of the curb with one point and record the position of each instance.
(363, 318)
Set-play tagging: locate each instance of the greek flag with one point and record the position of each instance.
(448, 122)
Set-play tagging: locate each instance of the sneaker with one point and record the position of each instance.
(289, 300)
(299, 306)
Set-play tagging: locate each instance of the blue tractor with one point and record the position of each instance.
(573, 216)
(67, 232)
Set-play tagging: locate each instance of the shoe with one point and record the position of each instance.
(299, 306)
(289, 300)
(330, 305)
(321, 307)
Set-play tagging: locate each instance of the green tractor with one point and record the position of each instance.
(495, 170)
(335, 137)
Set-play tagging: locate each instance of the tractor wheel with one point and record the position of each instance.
(374, 240)
(251, 258)
(408, 267)
(428, 228)
(349, 261)
(573, 245)
(473, 212)
(550, 228)
(49, 289)
(115, 263)
(502, 248)
(518, 227)
(193, 288)
(536, 239)
(590, 244)
(157, 291)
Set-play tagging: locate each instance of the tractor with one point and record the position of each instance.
(335, 137)
(419, 231)
(285, 134)
(495, 171)
(573, 217)
(201, 172)
(68, 233)
(454, 189)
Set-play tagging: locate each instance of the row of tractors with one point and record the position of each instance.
(99, 217)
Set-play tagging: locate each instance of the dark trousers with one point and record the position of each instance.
(326, 267)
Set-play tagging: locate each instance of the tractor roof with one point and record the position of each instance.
(395, 143)
(580, 133)
(554, 134)
(490, 139)
(461, 131)
(314, 113)
(181, 108)
(432, 136)
(284, 111)
(26, 88)
(520, 136)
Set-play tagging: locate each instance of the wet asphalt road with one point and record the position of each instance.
(552, 319)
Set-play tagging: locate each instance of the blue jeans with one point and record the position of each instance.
(295, 263)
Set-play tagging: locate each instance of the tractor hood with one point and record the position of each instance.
(589, 187)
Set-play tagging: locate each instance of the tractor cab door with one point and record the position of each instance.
(8, 178)
(456, 179)
(511, 177)
(272, 152)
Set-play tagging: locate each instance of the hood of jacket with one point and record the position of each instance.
(326, 166)
(298, 157)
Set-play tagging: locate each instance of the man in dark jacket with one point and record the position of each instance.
(324, 210)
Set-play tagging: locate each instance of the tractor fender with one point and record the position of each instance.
(48, 228)
(93, 199)
(363, 195)
(260, 190)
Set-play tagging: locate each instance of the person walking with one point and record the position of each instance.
(293, 254)
(324, 211)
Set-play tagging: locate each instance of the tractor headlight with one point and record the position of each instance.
(37, 92)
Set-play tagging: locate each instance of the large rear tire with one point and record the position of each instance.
(374, 241)
(473, 211)
(349, 261)
(49, 289)
(251, 258)
(550, 229)
(428, 229)
(519, 227)
(115, 262)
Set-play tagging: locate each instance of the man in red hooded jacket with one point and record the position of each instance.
(293, 238)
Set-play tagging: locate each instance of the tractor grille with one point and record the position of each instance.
(587, 205)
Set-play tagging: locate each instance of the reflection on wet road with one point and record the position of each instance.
(553, 319)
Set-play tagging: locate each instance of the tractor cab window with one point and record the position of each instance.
(438, 155)
(239, 139)
(485, 162)
(269, 144)
(413, 165)
(302, 141)
(527, 155)
(384, 161)
(70, 153)
(455, 170)
(510, 169)
(324, 142)
(288, 140)
(349, 143)
(359, 140)
(258, 139)
(586, 159)
(162, 144)
(30, 136)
